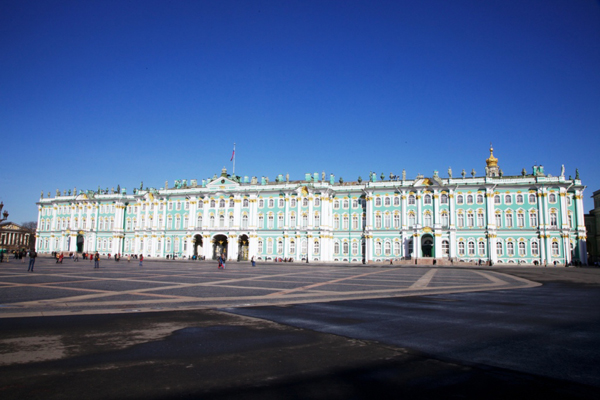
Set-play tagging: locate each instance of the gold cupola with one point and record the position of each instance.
(491, 169)
(492, 161)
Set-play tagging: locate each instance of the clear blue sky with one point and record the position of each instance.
(101, 93)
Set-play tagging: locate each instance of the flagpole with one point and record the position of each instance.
(233, 159)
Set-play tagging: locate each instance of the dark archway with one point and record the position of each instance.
(219, 246)
(80, 241)
(427, 246)
(243, 248)
(198, 244)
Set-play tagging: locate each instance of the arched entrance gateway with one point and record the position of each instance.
(219, 246)
(427, 246)
(197, 243)
(80, 243)
(243, 243)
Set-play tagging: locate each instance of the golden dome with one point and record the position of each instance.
(492, 161)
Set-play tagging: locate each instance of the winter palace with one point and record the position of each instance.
(527, 218)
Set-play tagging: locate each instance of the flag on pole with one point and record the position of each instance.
(232, 154)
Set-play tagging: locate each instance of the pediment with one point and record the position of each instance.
(433, 182)
(222, 182)
(11, 226)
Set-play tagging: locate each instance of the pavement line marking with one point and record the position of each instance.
(495, 280)
(423, 281)
(285, 292)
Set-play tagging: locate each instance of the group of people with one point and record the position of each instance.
(17, 254)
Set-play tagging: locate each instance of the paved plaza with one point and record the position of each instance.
(77, 288)
(183, 329)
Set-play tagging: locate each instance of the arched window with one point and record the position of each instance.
(522, 249)
(387, 202)
(354, 248)
(507, 199)
(378, 248)
(444, 218)
(497, 199)
(387, 248)
(316, 248)
(461, 248)
(292, 246)
(222, 203)
(427, 199)
(396, 201)
(480, 219)
(377, 201)
(336, 247)
(469, 199)
(555, 250)
(533, 220)
(199, 222)
(260, 246)
(535, 249)
(444, 198)
(293, 220)
(271, 203)
(397, 248)
(261, 221)
(411, 199)
(445, 247)
(499, 251)
(471, 248)
(245, 221)
(552, 198)
(510, 248)
(520, 220)
(378, 221)
(479, 199)
(269, 246)
(519, 199)
(532, 198)
(481, 248)
(427, 220)
(279, 246)
(460, 199)
(411, 219)
(245, 203)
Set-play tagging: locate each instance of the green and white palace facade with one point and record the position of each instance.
(531, 218)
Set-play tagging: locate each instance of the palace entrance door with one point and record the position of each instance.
(197, 242)
(243, 245)
(80, 243)
(219, 246)
(427, 246)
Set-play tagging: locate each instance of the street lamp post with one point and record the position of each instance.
(5, 214)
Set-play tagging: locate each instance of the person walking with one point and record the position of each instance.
(32, 256)
(128, 257)
(253, 262)
(141, 260)
(96, 260)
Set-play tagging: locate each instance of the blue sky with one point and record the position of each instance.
(107, 93)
